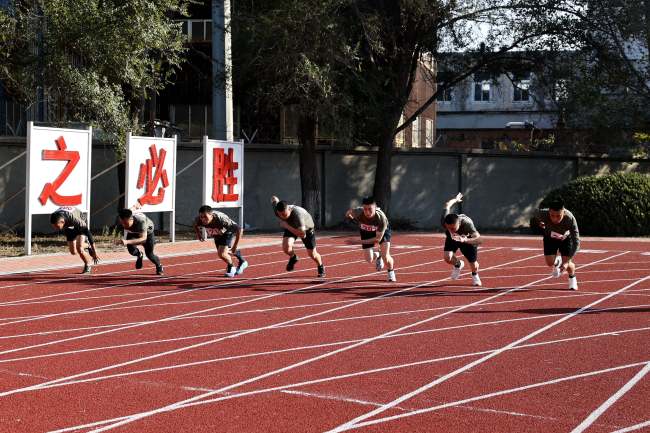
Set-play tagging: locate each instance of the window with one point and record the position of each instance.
(521, 84)
(198, 31)
(415, 132)
(429, 133)
(446, 95)
(482, 91)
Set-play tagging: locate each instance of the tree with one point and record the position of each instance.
(291, 54)
(604, 82)
(96, 60)
(396, 34)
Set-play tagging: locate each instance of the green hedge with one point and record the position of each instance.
(611, 205)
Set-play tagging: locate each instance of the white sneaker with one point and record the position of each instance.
(557, 271)
(573, 283)
(455, 273)
(379, 264)
(230, 272)
(240, 269)
(391, 276)
(476, 280)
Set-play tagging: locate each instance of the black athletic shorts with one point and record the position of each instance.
(469, 251)
(309, 241)
(566, 247)
(371, 235)
(224, 239)
(71, 233)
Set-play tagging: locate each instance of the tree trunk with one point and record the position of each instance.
(383, 174)
(309, 172)
(382, 187)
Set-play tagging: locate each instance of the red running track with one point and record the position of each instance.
(270, 351)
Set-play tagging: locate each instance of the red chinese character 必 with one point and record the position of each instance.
(49, 190)
(224, 175)
(149, 179)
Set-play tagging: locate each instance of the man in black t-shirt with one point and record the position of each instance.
(297, 223)
(138, 230)
(226, 234)
(460, 234)
(79, 237)
(374, 229)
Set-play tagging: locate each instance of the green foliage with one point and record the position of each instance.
(97, 60)
(611, 205)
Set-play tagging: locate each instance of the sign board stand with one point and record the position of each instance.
(58, 163)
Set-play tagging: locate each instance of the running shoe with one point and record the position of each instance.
(476, 280)
(455, 273)
(292, 263)
(321, 271)
(230, 271)
(138, 262)
(557, 271)
(160, 270)
(391, 276)
(379, 263)
(240, 269)
(573, 283)
(87, 269)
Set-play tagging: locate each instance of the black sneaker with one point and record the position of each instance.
(138, 262)
(87, 269)
(321, 271)
(159, 270)
(292, 263)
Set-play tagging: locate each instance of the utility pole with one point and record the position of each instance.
(222, 117)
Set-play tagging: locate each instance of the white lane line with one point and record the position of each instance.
(500, 393)
(322, 322)
(335, 398)
(358, 421)
(593, 416)
(134, 361)
(633, 427)
(164, 295)
(379, 370)
(174, 406)
(345, 399)
(181, 279)
(581, 293)
(118, 261)
(149, 279)
(340, 343)
(168, 318)
(347, 287)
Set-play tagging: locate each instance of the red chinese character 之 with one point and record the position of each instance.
(50, 189)
(224, 176)
(148, 178)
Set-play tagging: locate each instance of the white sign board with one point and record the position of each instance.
(58, 169)
(223, 173)
(58, 172)
(151, 175)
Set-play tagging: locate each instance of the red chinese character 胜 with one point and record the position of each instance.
(148, 178)
(223, 175)
(49, 190)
